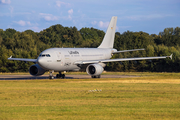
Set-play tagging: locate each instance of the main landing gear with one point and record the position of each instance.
(60, 75)
(96, 76)
(57, 76)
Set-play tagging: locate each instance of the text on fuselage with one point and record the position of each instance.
(73, 52)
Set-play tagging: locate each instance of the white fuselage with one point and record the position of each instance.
(63, 59)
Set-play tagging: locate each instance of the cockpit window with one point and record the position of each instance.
(44, 55)
(47, 55)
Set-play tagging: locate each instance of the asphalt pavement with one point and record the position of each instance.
(29, 77)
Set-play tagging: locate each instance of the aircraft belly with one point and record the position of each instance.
(63, 66)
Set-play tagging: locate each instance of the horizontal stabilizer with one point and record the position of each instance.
(128, 50)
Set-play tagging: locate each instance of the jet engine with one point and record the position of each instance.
(36, 70)
(94, 69)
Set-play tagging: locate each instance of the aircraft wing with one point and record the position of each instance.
(127, 50)
(23, 59)
(121, 59)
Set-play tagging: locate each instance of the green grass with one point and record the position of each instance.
(104, 73)
(72, 98)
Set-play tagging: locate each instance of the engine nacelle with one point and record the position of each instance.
(36, 70)
(94, 69)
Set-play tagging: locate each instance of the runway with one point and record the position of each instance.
(29, 77)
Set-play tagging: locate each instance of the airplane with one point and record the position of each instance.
(93, 60)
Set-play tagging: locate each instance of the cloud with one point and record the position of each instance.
(35, 29)
(146, 17)
(69, 17)
(94, 22)
(5, 1)
(103, 24)
(59, 4)
(11, 9)
(29, 23)
(48, 17)
(70, 11)
(23, 23)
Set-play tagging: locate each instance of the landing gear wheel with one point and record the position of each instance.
(60, 75)
(63, 76)
(95, 76)
(51, 74)
(51, 77)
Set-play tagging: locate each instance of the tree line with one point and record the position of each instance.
(29, 44)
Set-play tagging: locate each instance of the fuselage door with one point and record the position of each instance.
(58, 56)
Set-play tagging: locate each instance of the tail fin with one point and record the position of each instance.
(108, 40)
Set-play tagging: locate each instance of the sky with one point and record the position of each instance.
(150, 16)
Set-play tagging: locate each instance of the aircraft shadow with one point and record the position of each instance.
(31, 78)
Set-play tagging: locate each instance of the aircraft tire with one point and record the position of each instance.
(58, 75)
(95, 76)
(63, 76)
(51, 77)
(98, 76)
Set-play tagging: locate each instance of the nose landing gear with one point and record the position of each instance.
(51, 74)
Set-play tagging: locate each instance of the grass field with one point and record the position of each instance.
(152, 96)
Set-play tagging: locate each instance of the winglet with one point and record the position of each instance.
(10, 56)
(170, 56)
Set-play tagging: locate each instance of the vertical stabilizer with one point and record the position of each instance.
(108, 40)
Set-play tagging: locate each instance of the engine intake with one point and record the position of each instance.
(94, 69)
(36, 70)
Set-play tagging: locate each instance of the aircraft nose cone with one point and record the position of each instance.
(42, 62)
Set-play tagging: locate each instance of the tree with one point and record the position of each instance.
(30, 44)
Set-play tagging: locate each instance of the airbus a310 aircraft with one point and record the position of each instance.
(93, 60)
